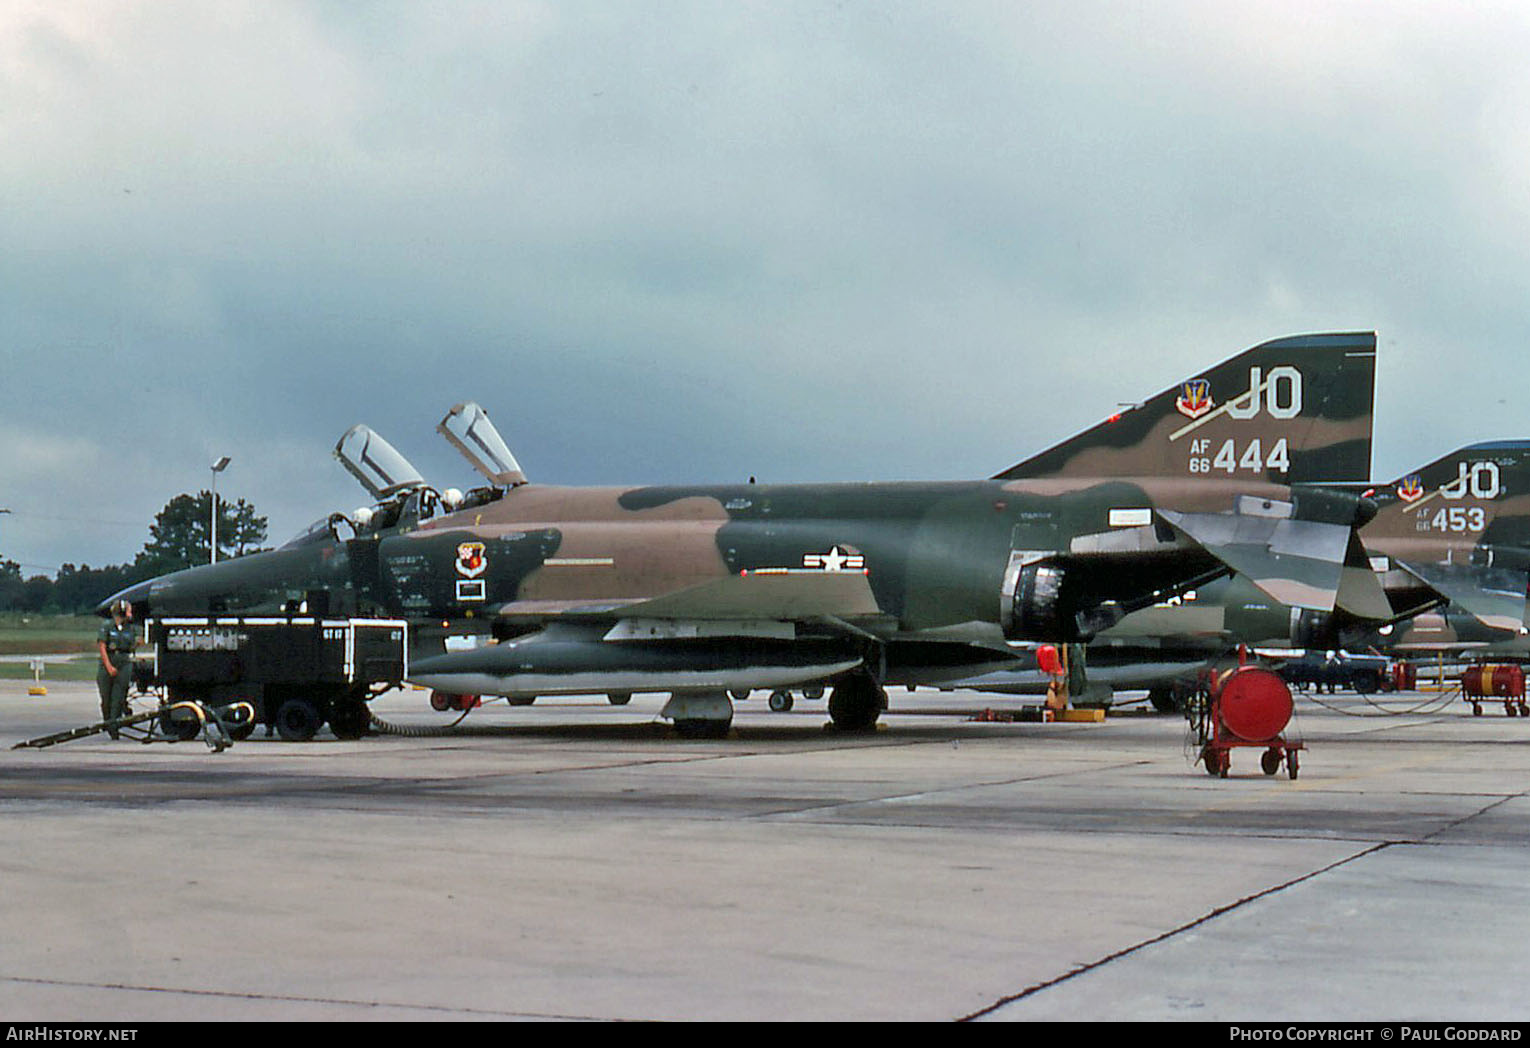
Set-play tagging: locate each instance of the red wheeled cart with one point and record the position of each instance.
(1250, 706)
(1488, 681)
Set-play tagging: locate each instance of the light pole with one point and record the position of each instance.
(4, 511)
(217, 467)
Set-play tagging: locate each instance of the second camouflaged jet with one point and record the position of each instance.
(697, 591)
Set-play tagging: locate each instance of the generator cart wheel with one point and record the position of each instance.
(1291, 762)
(1366, 682)
(298, 720)
(1212, 760)
(349, 720)
(1269, 761)
(182, 725)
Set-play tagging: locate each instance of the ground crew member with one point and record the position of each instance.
(115, 642)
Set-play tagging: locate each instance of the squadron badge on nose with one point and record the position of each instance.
(471, 560)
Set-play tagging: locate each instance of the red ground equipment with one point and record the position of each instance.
(1489, 681)
(441, 701)
(1250, 706)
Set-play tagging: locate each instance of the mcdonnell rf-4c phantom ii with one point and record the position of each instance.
(700, 590)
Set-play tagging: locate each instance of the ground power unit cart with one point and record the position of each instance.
(297, 672)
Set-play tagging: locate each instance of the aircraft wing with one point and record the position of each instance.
(1494, 596)
(755, 596)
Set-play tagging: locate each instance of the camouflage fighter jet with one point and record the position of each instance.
(699, 590)
(1454, 533)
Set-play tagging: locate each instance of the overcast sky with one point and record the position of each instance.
(670, 242)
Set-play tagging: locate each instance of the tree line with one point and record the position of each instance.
(179, 538)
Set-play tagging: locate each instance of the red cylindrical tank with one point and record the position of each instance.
(1254, 703)
(1489, 680)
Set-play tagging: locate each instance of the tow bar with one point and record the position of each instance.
(175, 722)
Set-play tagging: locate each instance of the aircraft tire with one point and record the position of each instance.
(298, 720)
(619, 698)
(1163, 700)
(856, 704)
(702, 728)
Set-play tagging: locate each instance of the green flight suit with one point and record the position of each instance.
(120, 642)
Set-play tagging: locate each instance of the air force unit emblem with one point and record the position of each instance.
(1195, 398)
(1411, 489)
(471, 560)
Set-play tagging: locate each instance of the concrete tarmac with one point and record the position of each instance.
(577, 861)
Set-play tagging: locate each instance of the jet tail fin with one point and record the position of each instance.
(1475, 498)
(1288, 411)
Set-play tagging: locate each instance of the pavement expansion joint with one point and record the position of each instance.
(1170, 934)
(281, 998)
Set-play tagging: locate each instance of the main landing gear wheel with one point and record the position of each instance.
(298, 720)
(619, 698)
(855, 704)
(703, 729)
